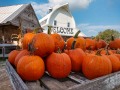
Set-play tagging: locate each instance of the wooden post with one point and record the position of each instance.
(3, 32)
(3, 52)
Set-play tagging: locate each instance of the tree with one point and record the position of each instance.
(106, 34)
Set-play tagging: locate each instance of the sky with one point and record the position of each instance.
(91, 16)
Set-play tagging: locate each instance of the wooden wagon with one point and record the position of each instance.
(75, 81)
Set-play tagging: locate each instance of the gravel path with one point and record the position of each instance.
(4, 79)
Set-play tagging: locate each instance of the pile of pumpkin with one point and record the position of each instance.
(49, 52)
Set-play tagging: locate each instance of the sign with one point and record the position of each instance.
(63, 30)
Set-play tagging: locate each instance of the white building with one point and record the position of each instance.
(62, 21)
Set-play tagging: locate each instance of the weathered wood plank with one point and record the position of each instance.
(16, 81)
(77, 77)
(108, 82)
(35, 85)
(52, 84)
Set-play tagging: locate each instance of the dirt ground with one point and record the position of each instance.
(5, 83)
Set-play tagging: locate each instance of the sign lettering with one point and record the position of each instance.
(63, 30)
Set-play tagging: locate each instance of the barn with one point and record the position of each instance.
(14, 17)
(62, 21)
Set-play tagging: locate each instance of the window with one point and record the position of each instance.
(68, 24)
(55, 22)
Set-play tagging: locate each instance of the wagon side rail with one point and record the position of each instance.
(16, 81)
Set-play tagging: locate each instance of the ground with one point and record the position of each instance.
(5, 83)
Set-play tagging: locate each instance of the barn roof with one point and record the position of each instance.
(9, 13)
(55, 8)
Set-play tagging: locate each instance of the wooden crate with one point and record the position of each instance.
(75, 81)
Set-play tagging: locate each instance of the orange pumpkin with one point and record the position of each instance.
(104, 44)
(96, 65)
(44, 44)
(27, 39)
(90, 52)
(115, 43)
(113, 51)
(90, 44)
(58, 65)
(30, 67)
(115, 61)
(12, 55)
(104, 52)
(117, 54)
(80, 42)
(58, 40)
(76, 56)
(100, 44)
(21, 54)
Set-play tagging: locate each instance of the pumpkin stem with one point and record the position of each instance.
(59, 51)
(73, 44)
(18, 47)
(76, 35)
(107, 52)
(92, 37)
(49, 29)
(64, 47)
(90, 49)
(36, 30)
(98, 52)
(97, 39)
(31, 47)
(112, 38)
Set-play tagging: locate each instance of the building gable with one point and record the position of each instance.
(24, 14)
(27, 17)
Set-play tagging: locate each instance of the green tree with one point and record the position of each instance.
(106, 34)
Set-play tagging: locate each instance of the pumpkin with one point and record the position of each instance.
(113, 51)
(104, 51)
(30, 68)
(44, 44)
(21, 54)
(12, 55)
(80, 42)
(117, 54)
(115, 43)
(76, 56)
(58, 65)
(100, 44)
(58, 40)
(27, 39)
(90, 44)
(104, 44)
(94, 66)
(115, 61)
(90, 52)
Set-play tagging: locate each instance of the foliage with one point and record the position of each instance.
(106, 35)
